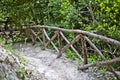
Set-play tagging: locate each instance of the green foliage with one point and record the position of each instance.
(109, 12)
(104, 70)
(21, 73)
(71, 54)
(93, 57)
(7, 46)
(23, 60)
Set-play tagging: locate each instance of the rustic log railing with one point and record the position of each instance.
(82, 37)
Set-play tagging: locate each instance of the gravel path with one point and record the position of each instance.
(51, 68)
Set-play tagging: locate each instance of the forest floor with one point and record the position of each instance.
(50, 68)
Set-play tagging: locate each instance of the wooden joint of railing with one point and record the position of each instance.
(72, 47)
(37, 35)
(69, 44)
(53, 37)
(47, 37)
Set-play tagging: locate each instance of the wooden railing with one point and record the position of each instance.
(82, 37)
(39, 32)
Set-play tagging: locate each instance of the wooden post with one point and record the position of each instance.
(84, 50)
(60, 44)
(43, 36)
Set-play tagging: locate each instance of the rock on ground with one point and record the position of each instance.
(10, 67)
(7, 64)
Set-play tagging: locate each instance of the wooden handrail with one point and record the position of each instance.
(100, 37)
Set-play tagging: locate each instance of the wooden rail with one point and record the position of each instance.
(100, 37)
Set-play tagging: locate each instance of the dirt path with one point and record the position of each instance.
(51, 68)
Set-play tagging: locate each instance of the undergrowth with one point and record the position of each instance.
(21, 72)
